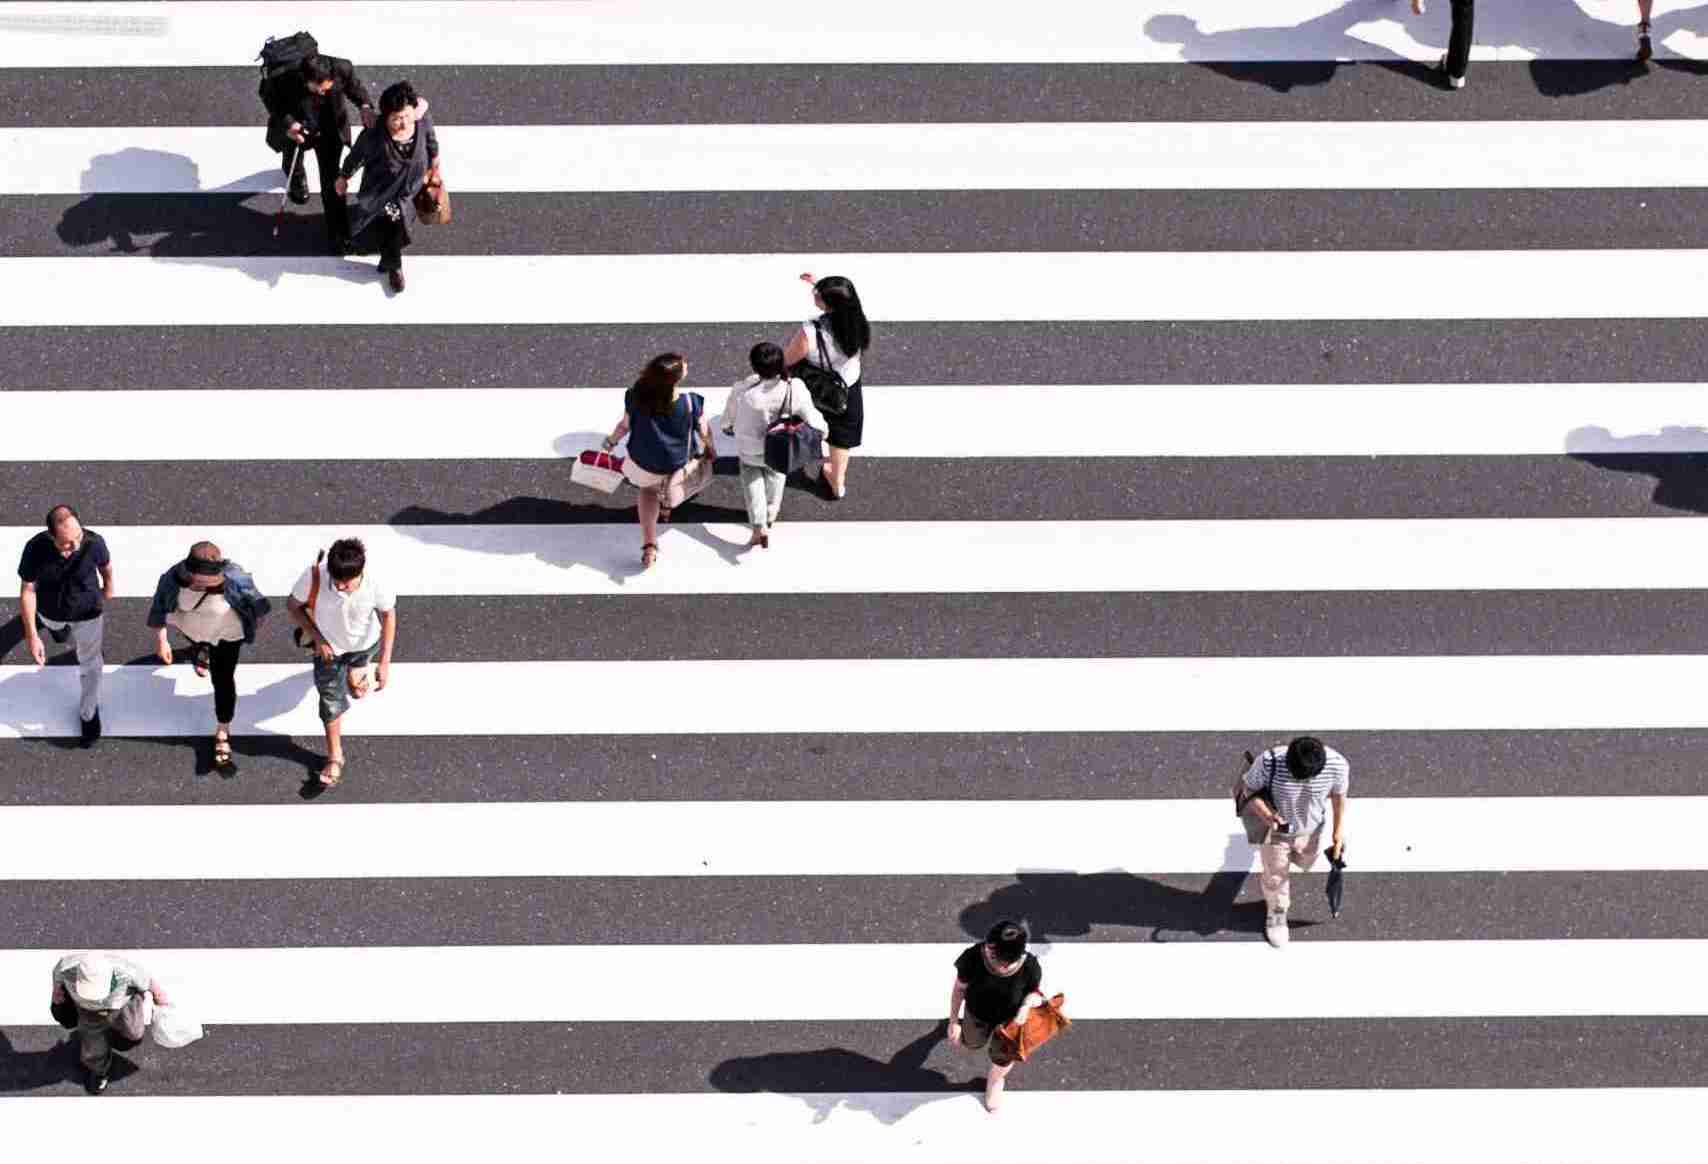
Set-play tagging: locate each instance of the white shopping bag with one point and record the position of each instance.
(597, 470)
(173, 1028)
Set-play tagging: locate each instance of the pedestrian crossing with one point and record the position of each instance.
(1210, 403)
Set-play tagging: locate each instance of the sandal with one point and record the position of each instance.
(649, 555)
(222, 749)
(332, 773)
(1645, 48)
(201, 658)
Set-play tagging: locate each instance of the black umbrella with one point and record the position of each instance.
(1336, 879)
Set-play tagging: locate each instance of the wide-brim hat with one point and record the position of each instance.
(93, 982)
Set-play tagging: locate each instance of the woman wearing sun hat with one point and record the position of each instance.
(107, 992)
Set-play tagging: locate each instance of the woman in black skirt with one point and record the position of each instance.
(397, 157)
(841, 325)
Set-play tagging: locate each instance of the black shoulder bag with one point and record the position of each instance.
(826, 386)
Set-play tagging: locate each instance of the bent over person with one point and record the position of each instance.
(106, 993)
(1303, 779)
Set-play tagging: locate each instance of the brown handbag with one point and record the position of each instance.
(1043, 1023)
(433, 202)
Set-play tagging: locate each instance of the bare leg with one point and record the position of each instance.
(646, 506)
(993, 1086)
(335, 739)
(836, 469)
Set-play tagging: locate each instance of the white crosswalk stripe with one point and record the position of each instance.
(704, 900)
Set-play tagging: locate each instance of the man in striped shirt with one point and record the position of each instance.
(1302, 778)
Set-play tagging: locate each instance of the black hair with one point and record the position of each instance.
(1008, 939)
(657, 383)
(767, 360)
(57, 515)
(1306, 757)
(847, 318)
(397, 96)
(315, 69)
(347, 558)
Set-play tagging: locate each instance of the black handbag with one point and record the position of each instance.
(791, 443)
(825, 385)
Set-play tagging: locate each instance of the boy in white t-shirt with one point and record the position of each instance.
(349, 617)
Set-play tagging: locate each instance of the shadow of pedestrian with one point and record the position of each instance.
(833, 1078)
(1674, 457)
(152, 203)
(36, 1058)
(1283, 57)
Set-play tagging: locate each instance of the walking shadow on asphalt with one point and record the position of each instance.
(1064, 905)
(44, 1057)
(832, 1078)
(222, 227)
(1675, 457)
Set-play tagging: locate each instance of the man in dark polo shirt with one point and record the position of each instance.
(67, 577)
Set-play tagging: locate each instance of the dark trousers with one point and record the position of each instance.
(222, 669)
(328, 149)
(388, 238)
(1459, 39)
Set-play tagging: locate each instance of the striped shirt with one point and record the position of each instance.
(1303, 804)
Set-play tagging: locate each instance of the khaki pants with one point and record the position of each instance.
(1279, 854)
(86, 636)
(95, 1029)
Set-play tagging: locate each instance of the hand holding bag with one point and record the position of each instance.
(1043, 1023)
(687, 481)
(597, 470)
(791, 443)
(173, 1029)
(433, 201)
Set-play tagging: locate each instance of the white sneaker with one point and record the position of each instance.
(1275, 928)
(1452, 81)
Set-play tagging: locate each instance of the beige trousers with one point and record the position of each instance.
(1279, 855)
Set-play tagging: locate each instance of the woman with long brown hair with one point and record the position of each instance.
(662, 424)
(835, 339)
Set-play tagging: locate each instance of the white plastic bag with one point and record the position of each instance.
(173, 1028)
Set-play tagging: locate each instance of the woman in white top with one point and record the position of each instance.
(214, 604)
(845, 334)
(755, 404)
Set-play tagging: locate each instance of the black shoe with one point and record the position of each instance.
(396, 279)
(94, 1083)
(299, 191)
(338, 245)
(92, 729)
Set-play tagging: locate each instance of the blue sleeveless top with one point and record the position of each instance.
(663, 444)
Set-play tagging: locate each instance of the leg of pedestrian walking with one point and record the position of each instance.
(326, 156)
(646, 508)
(87, 636)
(222, 667)
(94, 1051)
(1458, 58)
(754, 492)
(1275, 854)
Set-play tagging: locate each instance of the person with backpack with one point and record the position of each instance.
(1288, 789)
(347, 616)
(397, 158)
(825, 353)
(756, 403)
(214, 604)
(67, 578)
(305, 93)
(668, 436)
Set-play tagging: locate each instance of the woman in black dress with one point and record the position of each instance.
(836, 338)
(397, 157)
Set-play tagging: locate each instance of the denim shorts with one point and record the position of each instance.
(332, 681)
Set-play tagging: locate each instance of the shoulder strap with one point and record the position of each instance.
(818, 334)
(314, 582)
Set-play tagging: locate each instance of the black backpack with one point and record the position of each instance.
(280, 59)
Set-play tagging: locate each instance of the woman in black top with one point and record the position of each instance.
(397, 158)
(999, 982)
